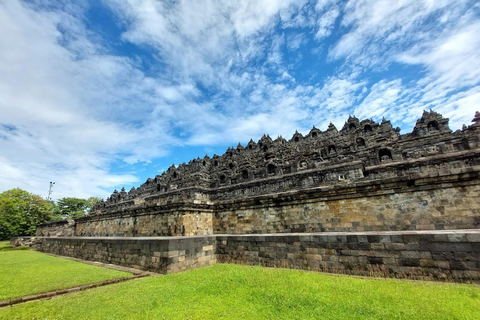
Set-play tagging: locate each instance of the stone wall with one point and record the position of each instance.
(178, 222)
(161, 255)
(63, 228)
(437, 254)
(428, 203)
(413, 202)
(447, 254)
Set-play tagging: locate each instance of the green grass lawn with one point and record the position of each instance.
(4, 244)
(27, 272)
(227, 291)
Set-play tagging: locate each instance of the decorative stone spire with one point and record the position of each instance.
(476, 119)
(331, 127)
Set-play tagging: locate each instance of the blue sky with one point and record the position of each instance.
(96, 95)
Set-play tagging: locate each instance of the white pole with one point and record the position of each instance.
(50, 190)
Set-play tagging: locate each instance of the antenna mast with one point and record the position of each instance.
(50, 190)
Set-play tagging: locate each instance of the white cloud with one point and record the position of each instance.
(295, 41)
(381, 101)
(461, 107)
(453, 62)
(379, 28)
(69, 111)
(332, 102)
(440, 37)
(326, 22)
(71, 105)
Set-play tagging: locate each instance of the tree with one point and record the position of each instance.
(71, 208)
(91, 203)
(21, 211)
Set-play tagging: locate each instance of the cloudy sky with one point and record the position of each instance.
(100, 94)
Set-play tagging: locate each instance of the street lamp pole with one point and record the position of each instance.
(50, 190)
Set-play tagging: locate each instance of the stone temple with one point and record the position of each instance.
(357, 199)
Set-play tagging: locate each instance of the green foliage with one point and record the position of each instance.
(28, 272)
(91, 203)
(72, 208)
(240, 292)
(21, 211)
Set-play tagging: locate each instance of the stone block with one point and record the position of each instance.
(294, 256)
(377, 246)
(394, 246)
(473, 237)
(409, 262)
(354, 252)
(440, 237)
(359, 246)
(467, 256)
(316, 257)
(472, 265)
(425, 254)
(457, 237)
(410, 254)
(475, 247)
(362, 239)
(411, 238)
(347, 259)
(373, 238)
(396, 238)
(443, 255)
(428, 263)
(330, 252)
(390, 260)
(367, 253)
(454, 247)
(375, 260)
(458, 265)
(391, 254)
(443, 264)
(352, 239)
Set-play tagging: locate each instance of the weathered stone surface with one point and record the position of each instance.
(63, 228)
(161, 255)
(25, 242)
(391, 258)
